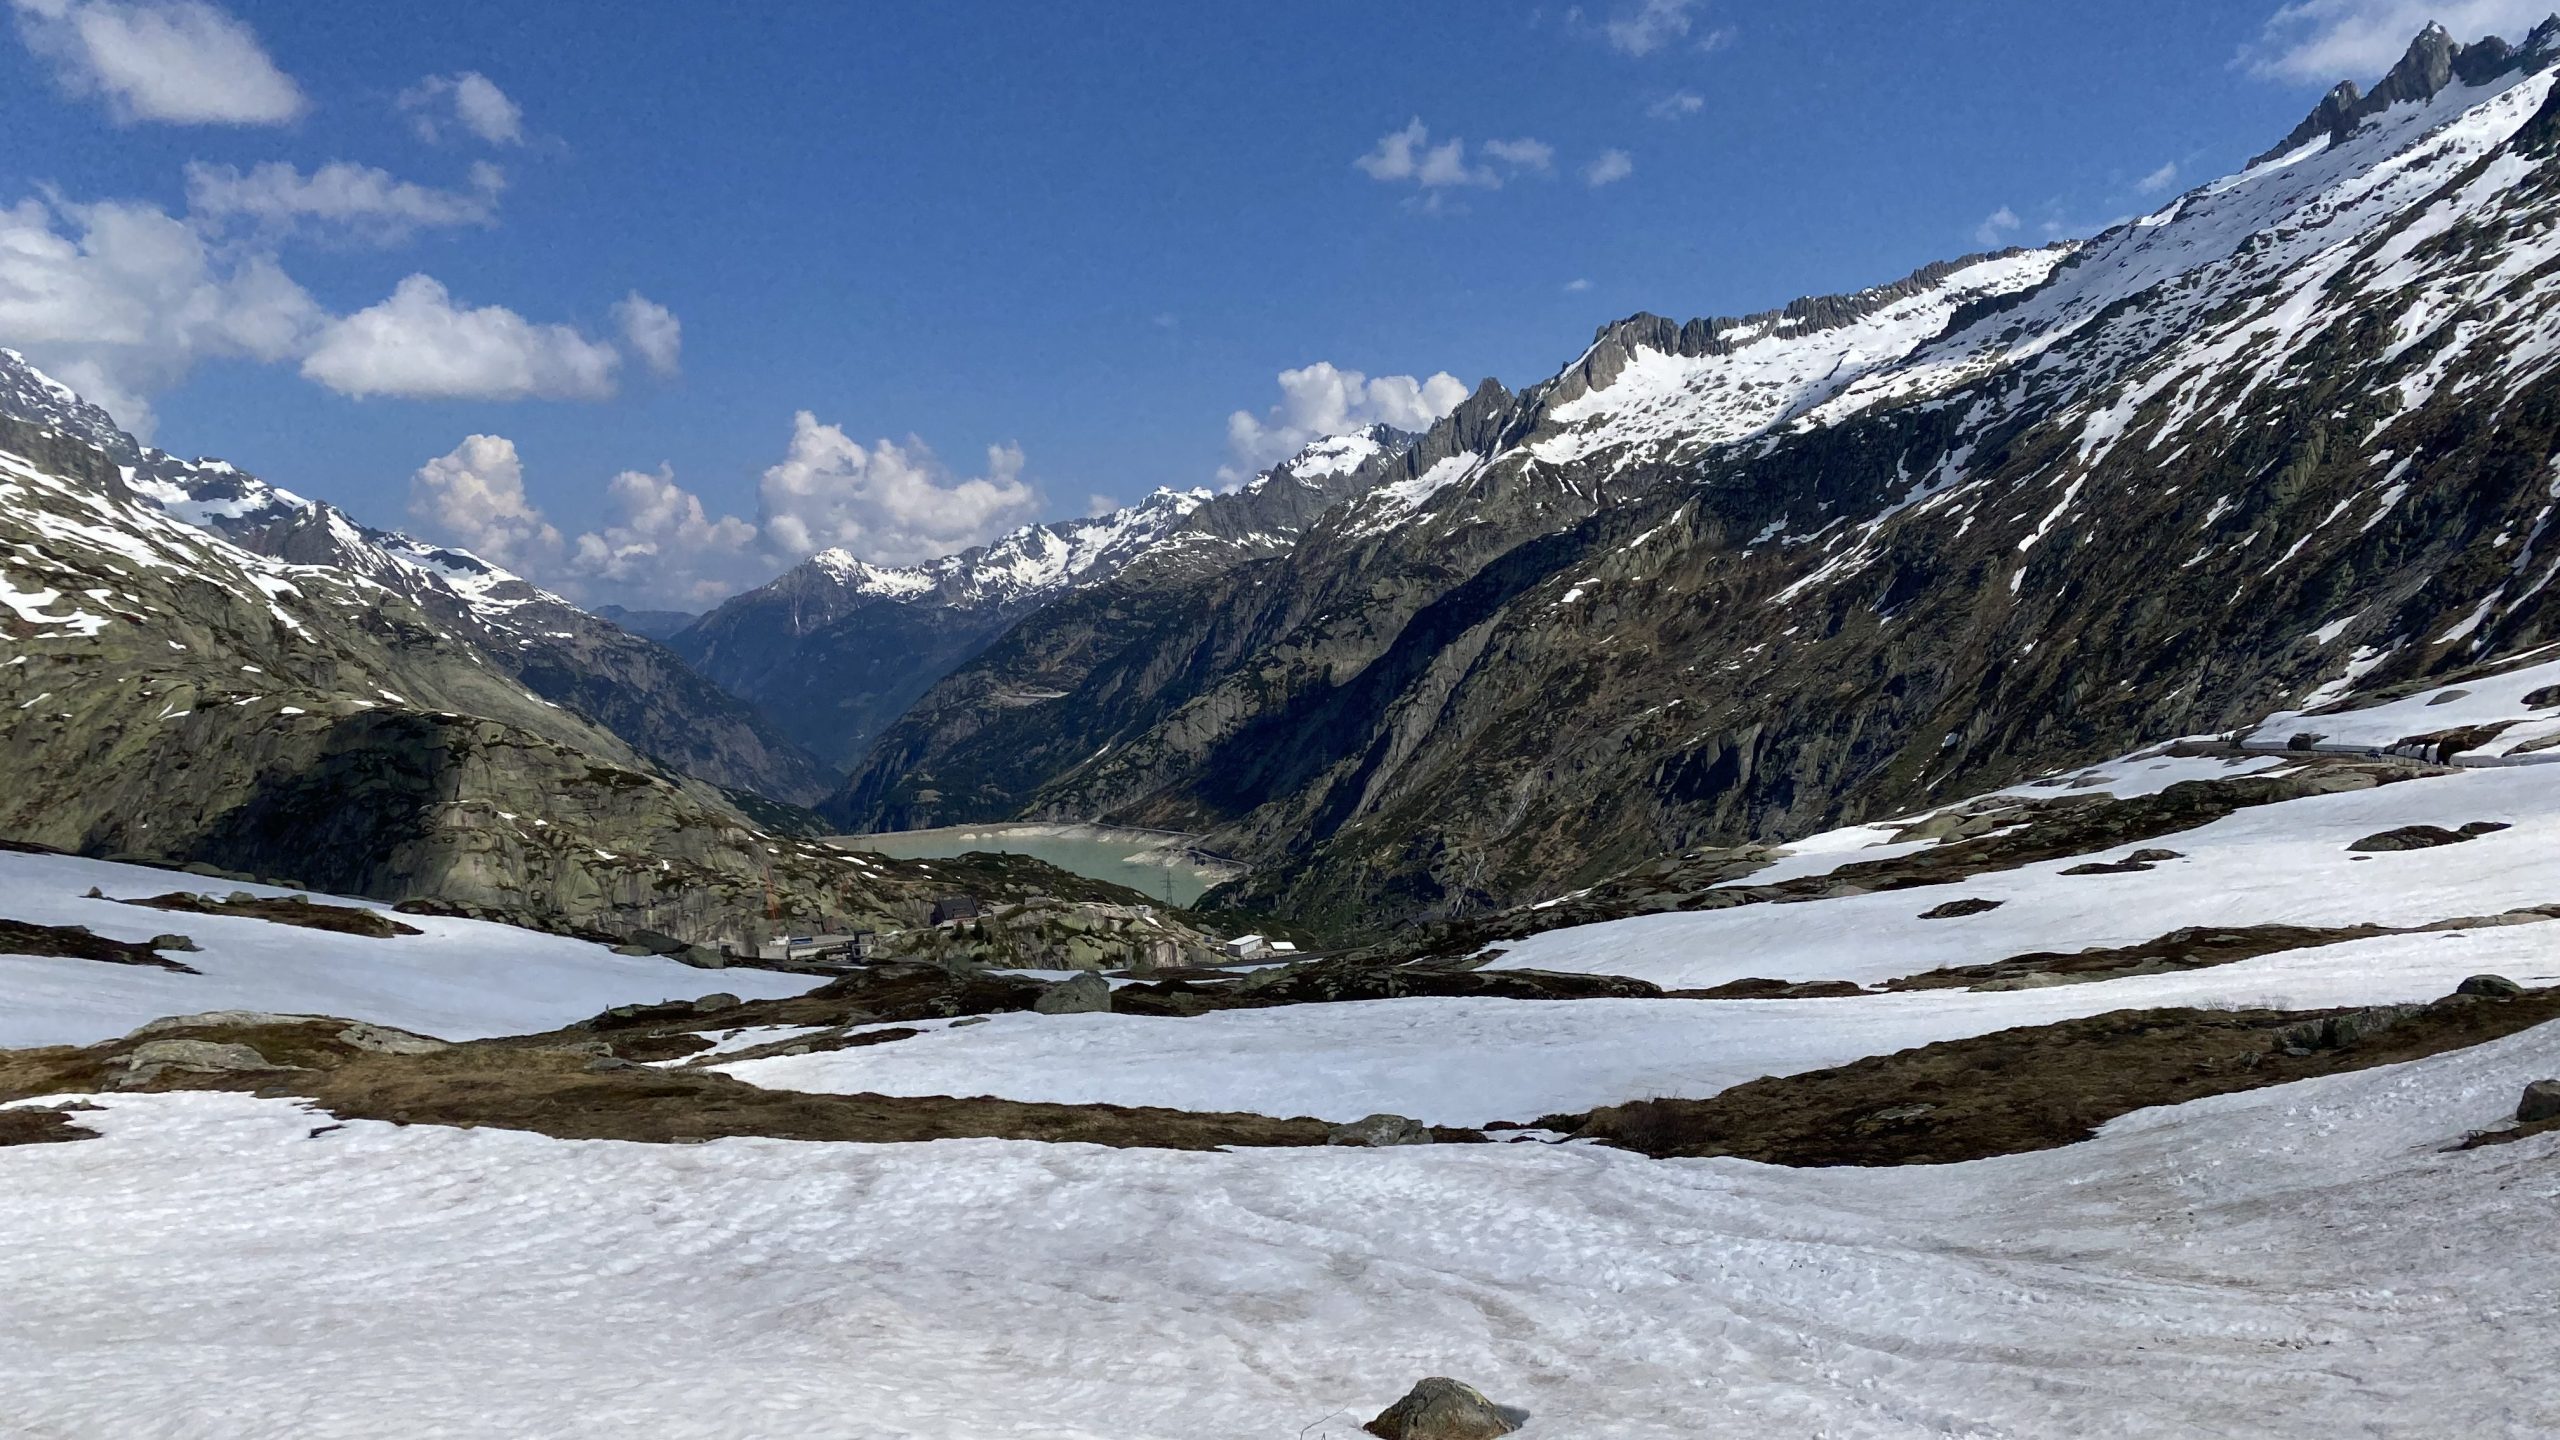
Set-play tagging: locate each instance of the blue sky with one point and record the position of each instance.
(631, 244)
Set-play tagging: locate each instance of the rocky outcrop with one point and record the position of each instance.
(1439, 1408)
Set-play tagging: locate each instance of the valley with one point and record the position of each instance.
(1976, 858)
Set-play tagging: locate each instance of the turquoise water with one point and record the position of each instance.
(1137, 859)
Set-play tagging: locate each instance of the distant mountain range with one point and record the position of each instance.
(2285, 441)
(836, 649)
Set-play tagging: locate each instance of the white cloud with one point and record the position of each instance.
(179, 61)
(1650, 25)
(121, 301)
(651, 330)
(2321, 42)
(474, 497)
(1322, 399)
(665, 546)
(357, 199)
(1408, 154)
(1677, 105)
(2159, 181)
(419, 345)
(1522, 154)
(1576, 287)
(889, 503)
(1609, 168)
(1997, 228)
(470, 101)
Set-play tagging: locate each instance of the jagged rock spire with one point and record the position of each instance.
(2433, 62)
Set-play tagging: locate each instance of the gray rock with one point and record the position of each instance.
(2541, 1102)
(2496, 987)
(2414, 837)
(2339, 1032)
(656, 942)
(716, 1001)
(154, 1058)
(219, 1020)
(607, 1064)
(1440, 1408)
(383, 1040)
(700, 957)
(1086, 994)
(1378, 1131)
(175, 942)
(967, 1020)
(633, 950)
(1958, 909)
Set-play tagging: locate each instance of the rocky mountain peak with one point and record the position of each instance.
(2432, 63)
(29, 394)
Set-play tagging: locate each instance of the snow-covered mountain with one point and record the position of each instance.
(2286, 442)
(633, 687)
(837, 647)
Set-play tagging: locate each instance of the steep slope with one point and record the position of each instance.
(837, 648)
(169, 695)
(634, 687)
(2286, 440)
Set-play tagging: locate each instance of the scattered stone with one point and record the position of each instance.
(2541, 1102)
(2340, 1032)
(95, 894)
(715, 1002)
(174, 942)
(966, 1020)
(383, 1040)
(218, 1020)
(2495, 987)
(75, 942)
(153, 1058)
(1958, 909)
(2416, 837)
(2543, 699)
(634, 951)
(607, 1064)
(2120, 867)
(656, 942)
(1086, 994)
(700, 957)
(1380, 1131)
(2153, 857)
(2449, 696)
(1440, 1408)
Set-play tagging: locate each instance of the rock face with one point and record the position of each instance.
(149, 1060)
(634, 687)
(168, 695)
(1440, 1408)
(1724, 582)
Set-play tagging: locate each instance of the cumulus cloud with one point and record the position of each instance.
(651, 330)
(1323, 399)
(178, 61)
(121, 301)
(891, 503)
(474, 497)
(1407, 156)
(1677, 105)
(2160, 181)
(1610, 167)
(2321, 42)
(469, 102)
(358, 200)
(663, 545)
(1576, 287)
(1997, 228)
(420, 345)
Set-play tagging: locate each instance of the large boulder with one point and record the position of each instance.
(2541, 1102)
(2493, 987)
(1440, 1408)
(151, 1059)
(1086, 994)
(1380, 1130)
